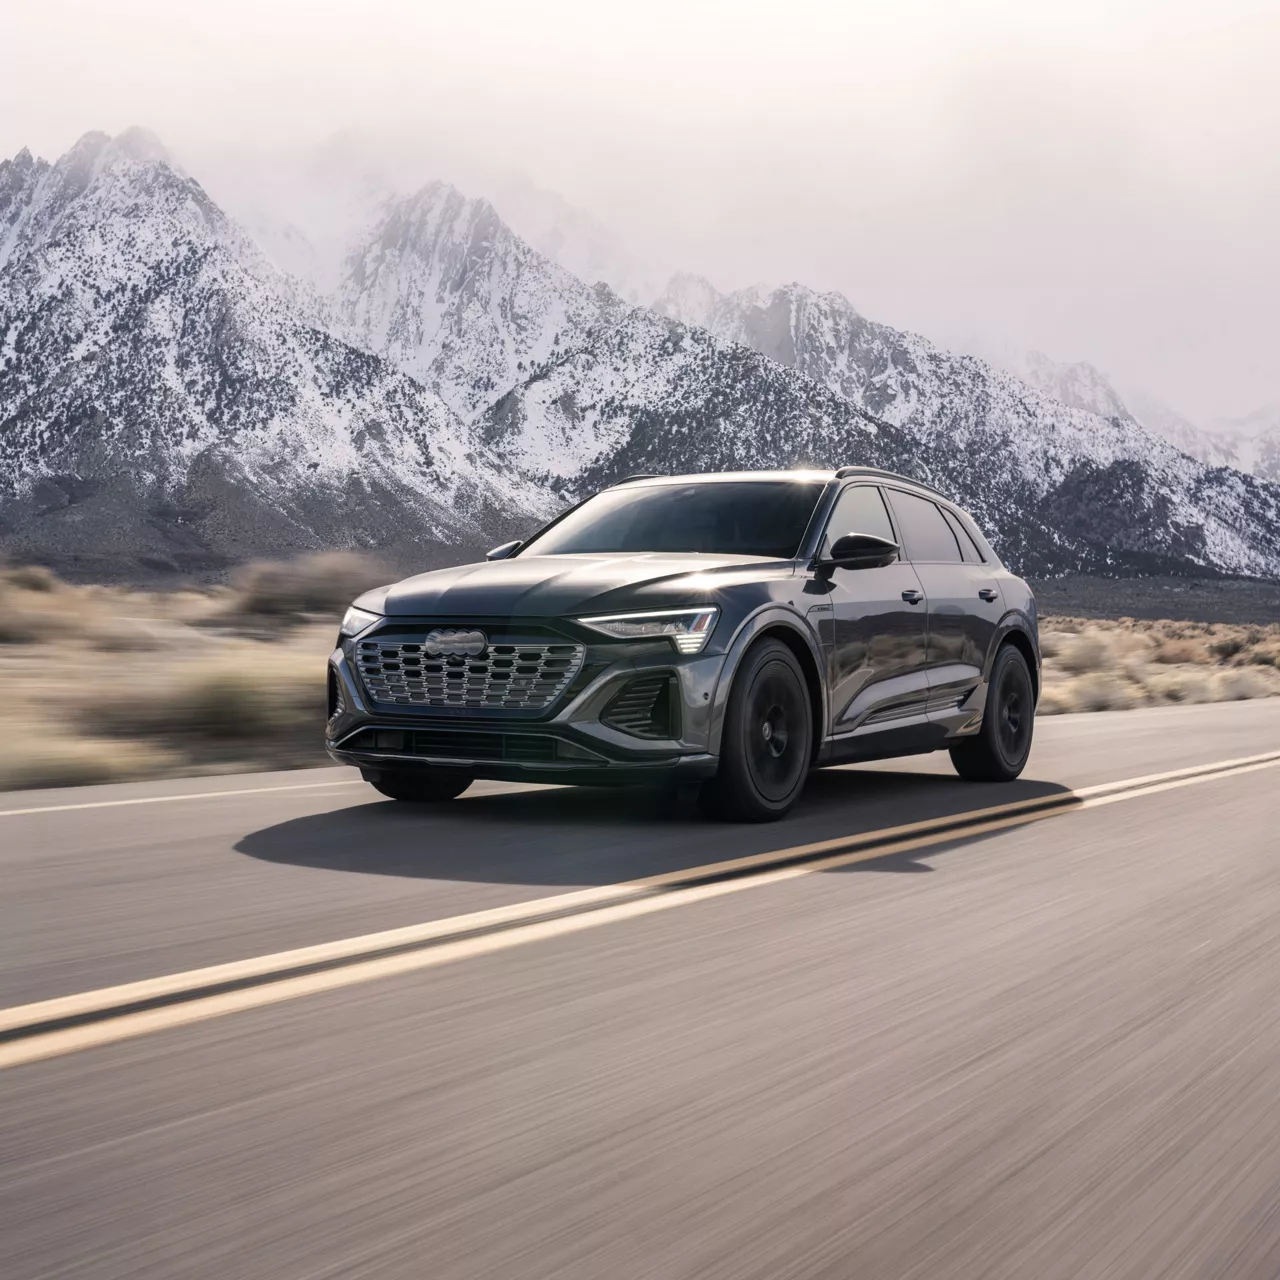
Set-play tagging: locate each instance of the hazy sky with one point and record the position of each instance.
(1096, 178)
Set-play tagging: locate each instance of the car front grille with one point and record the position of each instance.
(397, 671)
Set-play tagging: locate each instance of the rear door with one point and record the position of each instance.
(872, 623)
(965, 604)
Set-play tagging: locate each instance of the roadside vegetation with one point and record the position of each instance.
(1116, 665)
(105, 684)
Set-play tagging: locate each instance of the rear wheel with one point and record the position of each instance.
(425, 787)
(767, 743)
(998, 752)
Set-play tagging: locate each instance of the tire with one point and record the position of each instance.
(425, 787)
(767, 743)
(998, 751)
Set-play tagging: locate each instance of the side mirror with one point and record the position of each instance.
(861, 551)
(506, 550)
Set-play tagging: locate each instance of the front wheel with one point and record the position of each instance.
(767, 743)
(998, 751)
(424, 787)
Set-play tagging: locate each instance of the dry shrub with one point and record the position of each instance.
(27, 615)
(49, 761)
(1136, 645)
(1100, 691)
(1178, 652)
(1241, 683)
(1055, 699)
(1228, 648)
(1136, 669)
(124, 635)
(31, 577)
(1052, 643)
(261, 703)
(324, 583)
(16, 625)
(1095, 691)
(1089, 652)
(1184, 686)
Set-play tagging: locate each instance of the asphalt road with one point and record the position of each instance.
(1046, 1051)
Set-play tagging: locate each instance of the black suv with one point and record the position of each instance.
(734, 629)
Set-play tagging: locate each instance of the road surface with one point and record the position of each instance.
(1043, 1043)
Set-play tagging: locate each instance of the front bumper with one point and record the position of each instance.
(570, 741)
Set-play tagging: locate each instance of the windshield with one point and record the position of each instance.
(745, 518)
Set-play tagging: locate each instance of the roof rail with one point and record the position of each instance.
(843, 473)
(640, 475)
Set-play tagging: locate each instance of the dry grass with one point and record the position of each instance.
(1113, 665)
(104, 684)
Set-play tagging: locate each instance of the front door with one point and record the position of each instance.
(872, 623)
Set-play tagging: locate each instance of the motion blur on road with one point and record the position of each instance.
(1040, 1042)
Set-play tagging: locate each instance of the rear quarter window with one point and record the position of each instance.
(926, 535)
(968, 548)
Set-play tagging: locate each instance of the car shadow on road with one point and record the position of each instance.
(587, 836)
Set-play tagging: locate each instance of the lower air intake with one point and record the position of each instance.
(643, 708)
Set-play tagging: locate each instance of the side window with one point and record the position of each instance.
(926, 536)
(859, 509)
(967, 548)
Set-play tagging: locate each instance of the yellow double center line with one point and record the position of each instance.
(51, 1028)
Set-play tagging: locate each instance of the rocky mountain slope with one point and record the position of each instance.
(444, 290)
(166, 393)
(169, 395)
(1007, 448)
(1253, 441)
(1250, 443)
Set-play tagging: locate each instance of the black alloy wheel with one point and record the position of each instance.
(999, 751)
(767, 743)
(421, 786)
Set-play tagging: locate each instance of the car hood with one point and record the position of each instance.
(566, 585)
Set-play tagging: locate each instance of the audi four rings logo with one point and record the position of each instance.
(447, 642)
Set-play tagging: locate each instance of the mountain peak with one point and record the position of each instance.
(141, 144)
(689, 298)
(444, 289)
(95, 151)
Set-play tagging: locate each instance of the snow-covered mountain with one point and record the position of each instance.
(989, 433)
(442, 288)
(165, 391)
(1253, 441)
(1076, 383)
(1250, 444)
(574, 239)
(168, 394)
(1163, 420)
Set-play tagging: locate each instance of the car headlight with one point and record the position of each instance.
(688, 629)
(356, 620)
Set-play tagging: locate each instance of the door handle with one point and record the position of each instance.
(988, 593)
(913, 597)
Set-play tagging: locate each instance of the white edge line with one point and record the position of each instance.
(186, 795)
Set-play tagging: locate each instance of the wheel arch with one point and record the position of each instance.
(1017, 636)
(786, 627)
